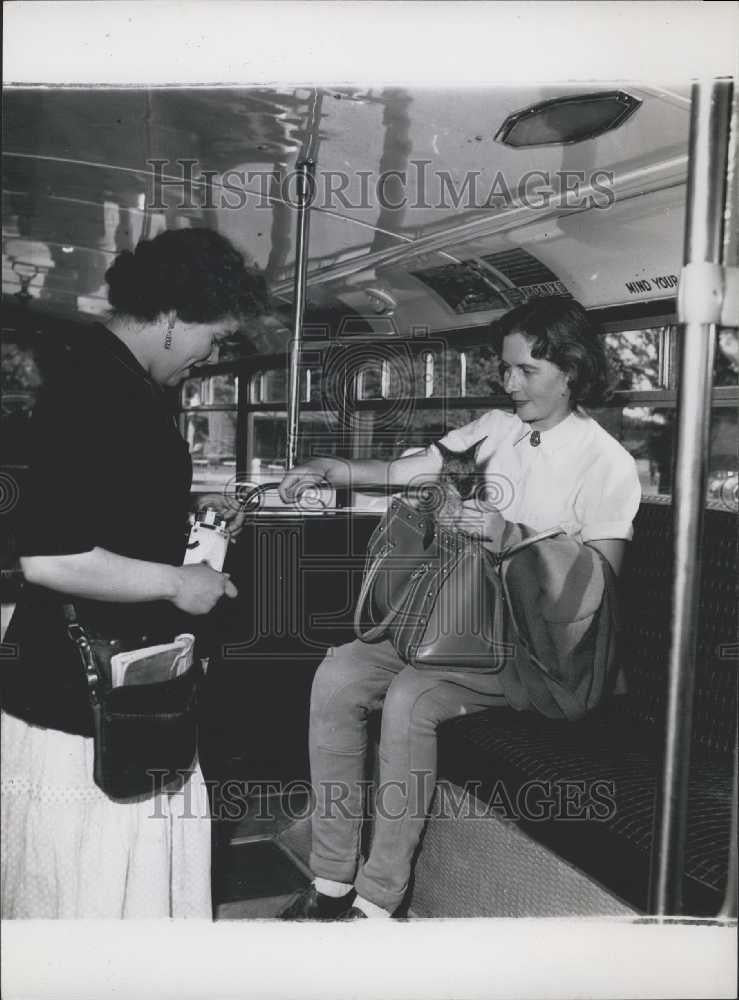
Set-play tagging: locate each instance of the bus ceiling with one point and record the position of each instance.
(424, 211)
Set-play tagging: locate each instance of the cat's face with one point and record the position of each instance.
(460, 471)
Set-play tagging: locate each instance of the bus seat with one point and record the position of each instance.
(620, 745)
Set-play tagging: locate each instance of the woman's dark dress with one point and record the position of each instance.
(109, 468)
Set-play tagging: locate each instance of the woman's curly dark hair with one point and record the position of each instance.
(560, 331)
(196, 272)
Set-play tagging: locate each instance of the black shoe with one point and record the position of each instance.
(314, 905)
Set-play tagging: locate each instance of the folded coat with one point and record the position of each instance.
(562, 598)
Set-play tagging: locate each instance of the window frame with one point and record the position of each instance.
(632, 317)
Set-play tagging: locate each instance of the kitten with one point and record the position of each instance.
(460, 472)
(459, 480)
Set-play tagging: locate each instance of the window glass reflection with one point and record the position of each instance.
(369, 381)
(388, 437)
(648, 433)
(192, 392)
(269, 437)
(633, 356)
(723, 465)
(223, 389)
(726, 363)
(271, 386)
(482, 372)
(211, 437)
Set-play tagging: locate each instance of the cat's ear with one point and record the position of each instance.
(445, 452)
(478, 444)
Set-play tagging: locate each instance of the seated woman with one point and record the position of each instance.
(105, 519)
(561, 468)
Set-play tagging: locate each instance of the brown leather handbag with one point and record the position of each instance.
(437, 595)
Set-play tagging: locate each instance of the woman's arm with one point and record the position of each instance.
(613, 549)
(355, 473)
(104, 576)
(490, 525)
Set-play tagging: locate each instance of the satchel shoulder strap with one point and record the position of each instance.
(376, 631)
(512, 550)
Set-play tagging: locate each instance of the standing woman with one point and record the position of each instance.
(104, 522)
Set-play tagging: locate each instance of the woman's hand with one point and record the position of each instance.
(228, 507)
(310, 477)
(473, 518)
(199, 588)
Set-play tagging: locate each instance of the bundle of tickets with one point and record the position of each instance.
(153, 664)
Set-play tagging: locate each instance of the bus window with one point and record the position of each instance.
(438, 372)
(726, 364)
(648, 433)
(481, 372)
(270, 386)
(223, 389)
(635, 356)
(209, 421)
(723, 468)
(370, 381)
(266, 445)
(192, 393)
(375, 436)
(642, 410)
(266, 439)
(212, 440)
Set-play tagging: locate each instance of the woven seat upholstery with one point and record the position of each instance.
(615, 753)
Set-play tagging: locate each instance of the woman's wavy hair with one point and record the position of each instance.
(559, 330)
(196, 272)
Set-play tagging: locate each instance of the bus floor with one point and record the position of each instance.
(261, 859)
(258, 863)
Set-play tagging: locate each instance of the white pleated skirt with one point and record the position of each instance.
(69, 851)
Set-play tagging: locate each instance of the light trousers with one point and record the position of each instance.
(351, 682)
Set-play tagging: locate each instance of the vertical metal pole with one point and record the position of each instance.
(731, 259)
(709, 140)
(729, 909)
(306, 187)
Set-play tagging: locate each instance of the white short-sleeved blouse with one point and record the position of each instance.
(578, 477)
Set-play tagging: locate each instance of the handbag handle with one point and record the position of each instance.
(377, 631)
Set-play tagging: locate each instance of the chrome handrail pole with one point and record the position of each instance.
(305, 173)
(699, 306)
(729, 909)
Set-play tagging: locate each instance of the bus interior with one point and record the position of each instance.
(431, 213)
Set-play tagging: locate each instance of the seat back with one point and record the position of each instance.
(646, 598)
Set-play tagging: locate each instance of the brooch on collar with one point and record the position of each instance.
(535, 439)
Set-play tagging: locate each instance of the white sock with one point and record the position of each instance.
(370, 909)
(330, 888)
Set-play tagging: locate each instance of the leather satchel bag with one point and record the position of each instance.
(145, 734)
(437, 595)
